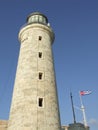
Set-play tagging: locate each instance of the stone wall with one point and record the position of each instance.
(64, 127)
(3, 124)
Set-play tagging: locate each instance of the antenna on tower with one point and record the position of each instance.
(73, 107)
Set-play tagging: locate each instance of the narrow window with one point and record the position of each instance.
(40, 75)
(40, 54)
(40, 102)
(40, 38)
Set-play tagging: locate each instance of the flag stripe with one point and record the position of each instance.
(85, 92)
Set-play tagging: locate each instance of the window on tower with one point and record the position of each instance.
(40, 54)
(40, 76)
(40, 38)
(40, 102)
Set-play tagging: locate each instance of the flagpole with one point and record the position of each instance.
(73, 107)
(83, 111)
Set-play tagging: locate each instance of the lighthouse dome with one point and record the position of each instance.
(37, 17)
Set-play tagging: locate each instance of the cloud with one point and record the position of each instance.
(93, 121)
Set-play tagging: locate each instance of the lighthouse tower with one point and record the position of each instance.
(35, 102)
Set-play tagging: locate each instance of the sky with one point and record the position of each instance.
(75, 49)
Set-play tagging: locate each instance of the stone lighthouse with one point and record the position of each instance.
(35, 102)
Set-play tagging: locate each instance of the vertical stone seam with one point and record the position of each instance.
(37, 82)
(44, 92)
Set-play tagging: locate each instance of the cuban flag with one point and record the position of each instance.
(82, 93)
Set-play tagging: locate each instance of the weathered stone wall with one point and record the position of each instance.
(64, 127)
(3, 124)
(27, 112)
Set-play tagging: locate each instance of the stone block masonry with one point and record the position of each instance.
(35, 101)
